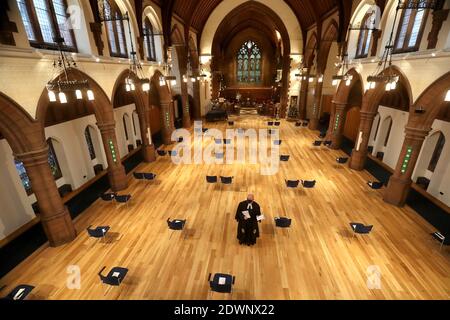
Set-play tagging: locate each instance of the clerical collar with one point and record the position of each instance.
(249, 205)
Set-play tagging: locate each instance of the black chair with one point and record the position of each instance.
(270, 123)
(98, 168)
(226, 141)
(176, 224)
(283, 222)
(308, 184)
(298, 124)
(149, 176)
(305, 124)
(218, 141)
(276, 123)
(370, 149)
(292, 183)
(130, 147)
(359, 228)
(423, 182)
(375, 184)
(226, 180)
(342, 160)
(284, 158)
(139, 142)
(172, 153)
(123, 199)
(108, 196)
(161, 152)
(205, 129)
(19, 293)
(380, 155)
(231, 123)
(322, 134)
(327, 143)
(99, 232)
(138, 175)
(180, 139)
(277, 142)
(222, 283)
(445, 241)
(211, 179)
(317, 143)
(114, 278)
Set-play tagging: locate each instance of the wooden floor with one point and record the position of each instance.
(317, 259)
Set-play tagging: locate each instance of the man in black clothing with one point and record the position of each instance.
(246, 216)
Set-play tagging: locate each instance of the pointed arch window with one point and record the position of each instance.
(125, 126)
(115, 30)
(44, 20)
(388, 134)
(149, 40)
(410, 29)
(249, 62)
(437, 152)
(365, 36)
(90, 145)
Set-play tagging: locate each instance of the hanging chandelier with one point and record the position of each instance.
(384, 74)
(62, 83)
(167, 69)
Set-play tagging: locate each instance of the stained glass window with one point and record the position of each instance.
(248, 62)
(115, 29)
(87, 135)
(149, 40)
(365, 36)
(23, 176)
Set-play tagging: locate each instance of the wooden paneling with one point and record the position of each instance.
(352, 123)
(155, 119)
(318, 258)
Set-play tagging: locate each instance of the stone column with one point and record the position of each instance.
(303, 98)
(167, 121)
(314, 121)
(359, 154)
(196, 106)
(148, 149)
(337, 127)
(400, 182)
(116, 171)
(55, 217)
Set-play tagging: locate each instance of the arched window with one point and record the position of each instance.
(437, 152)
(115, 29)
(90, 145)
(44, 20)
(365, 36)
(125, 126)
(388, 134)
(149, 40)
(52, 162)
(248, 61)
(410, 28)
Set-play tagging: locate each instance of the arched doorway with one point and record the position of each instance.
(26, 138)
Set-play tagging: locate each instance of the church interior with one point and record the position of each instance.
(225, 150)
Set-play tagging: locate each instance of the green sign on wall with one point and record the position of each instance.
(113, 151)
(407, 159)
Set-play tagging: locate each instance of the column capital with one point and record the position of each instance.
(340, 105)
(107, 127)
(366, 115)
(34, 157)
(416, 134)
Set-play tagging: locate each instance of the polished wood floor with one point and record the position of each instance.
(316, 259)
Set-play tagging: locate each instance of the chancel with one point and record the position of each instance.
(224, 149)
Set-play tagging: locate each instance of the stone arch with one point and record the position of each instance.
(22, 132)
(311, 46)
(140, 99)
(101, 105)
(330, 35)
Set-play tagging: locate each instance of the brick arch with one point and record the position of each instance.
(119, 89)
(373, 97)
(433, 101)
(101, 105)
(343, 91)
(22, 132)
(330, 35)
(309, 50)
(164, 95)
